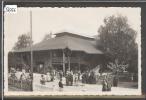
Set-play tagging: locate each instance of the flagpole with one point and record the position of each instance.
(31, 51)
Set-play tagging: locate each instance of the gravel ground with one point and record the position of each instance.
(79, 87)
(53, 86)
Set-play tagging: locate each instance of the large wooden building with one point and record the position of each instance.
(66, 51)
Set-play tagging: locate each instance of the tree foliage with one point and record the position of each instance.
(117, 41)
(24, 41)
(116, 67)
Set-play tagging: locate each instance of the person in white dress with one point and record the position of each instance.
(48, 77)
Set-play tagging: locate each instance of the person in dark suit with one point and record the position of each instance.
(115, 81)
(60, 85)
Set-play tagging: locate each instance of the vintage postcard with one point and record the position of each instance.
(72, 51)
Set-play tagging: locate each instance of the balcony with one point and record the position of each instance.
(60, 60)
(57, 60)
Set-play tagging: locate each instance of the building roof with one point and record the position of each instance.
(73, 35)
(66, 40)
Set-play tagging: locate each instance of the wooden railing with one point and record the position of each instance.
(57, 60)
(60, 60)
(74, 59)
(24, 85)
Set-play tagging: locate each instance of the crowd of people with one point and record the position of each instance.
(87, 77)
(22, 76)
(71, 78)
(20, 80)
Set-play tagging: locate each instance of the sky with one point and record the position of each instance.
(82, 21)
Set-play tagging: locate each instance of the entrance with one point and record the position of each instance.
(40, 67)
(57, 67)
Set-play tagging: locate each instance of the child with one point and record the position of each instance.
(42, 80)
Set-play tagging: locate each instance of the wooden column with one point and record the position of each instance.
(21, 57)
(69, 63)
(79, 62)
(63, 62)
(51, 58)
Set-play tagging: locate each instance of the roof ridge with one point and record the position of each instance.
(73, 35)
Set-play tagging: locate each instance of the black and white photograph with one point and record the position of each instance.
(72, 51)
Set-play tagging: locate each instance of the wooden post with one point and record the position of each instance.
(63, 63)
(79, 63)
(51, 58)
(21, 57)
(69, 63)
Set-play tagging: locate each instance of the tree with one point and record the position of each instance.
(24, 41)
(117, 41)
(116, 67)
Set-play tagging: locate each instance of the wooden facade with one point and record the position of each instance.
(58, 58)
(43, 60)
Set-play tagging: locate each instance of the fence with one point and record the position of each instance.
(24, 85)
(128, 77)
